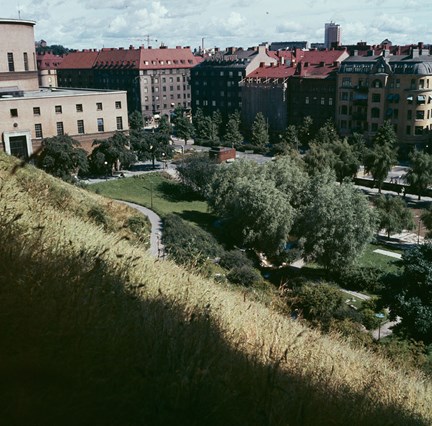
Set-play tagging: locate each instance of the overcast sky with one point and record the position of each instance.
(114, 23)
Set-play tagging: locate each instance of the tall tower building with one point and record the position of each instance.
(332, 35)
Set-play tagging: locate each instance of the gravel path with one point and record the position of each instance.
(156, 247)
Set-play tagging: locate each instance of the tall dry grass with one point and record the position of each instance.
(94, 331)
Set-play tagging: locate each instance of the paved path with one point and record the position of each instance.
(156, 247)
(388, 253)
(385, 329)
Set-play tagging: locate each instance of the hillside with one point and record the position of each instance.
(95, 331)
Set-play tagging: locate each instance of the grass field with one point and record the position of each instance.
(371, 259)
(161, 194)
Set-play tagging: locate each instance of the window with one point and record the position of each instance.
(409, 114)
(374, 127)
(60, 129)
(11, 64)
(80, 126)
(420, 115)
(418, 130)
(99, 106)
(118, 105)
(79, 108)
(421, 84)
(377, 84)
(344, 109)
(395, 113)
(26, 66)
(36, 111)
(119, 121)
(58, 109)
(14, 112)
(397, 82)
(346, 82)
(322, 101)
(330, 101)
(100, 124)
(307, 100)
(376, 97)
(408, 130)
(344, 96)
(375, 113)
(38, 131)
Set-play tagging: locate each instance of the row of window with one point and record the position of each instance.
(80, 127)
(11, 62)
(322, 100)
(220, 73)
(164, 97)
(157, 107)
(164, 88)
(214, 103)
(155, 80)
(59, 109)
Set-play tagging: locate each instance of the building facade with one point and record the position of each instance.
(216, 81)
(398, 88)
(29, 113)
(156, 80)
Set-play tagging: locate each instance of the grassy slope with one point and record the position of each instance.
(100, 333)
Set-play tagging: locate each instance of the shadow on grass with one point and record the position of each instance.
(81, 349)
(204, 220)
(176, 192)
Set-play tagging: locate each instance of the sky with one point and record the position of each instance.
(81, 24)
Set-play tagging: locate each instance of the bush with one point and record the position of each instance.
(234, 259)
(187, 244)
(139, 225)
(99, 216)
(362, 279)
(244, 275)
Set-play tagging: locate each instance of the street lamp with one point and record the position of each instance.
(380, 316)
(106, 169)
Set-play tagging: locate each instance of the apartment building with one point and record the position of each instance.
(156, 80)
(29, 113)
(376, 88)
(216, 81)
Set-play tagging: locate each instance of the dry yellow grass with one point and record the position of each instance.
(109, 335)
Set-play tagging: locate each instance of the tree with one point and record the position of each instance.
(196, 172)
(165, 127)
(326, 134)
(336, 223)
(346, 159)
(62, 157)
(419, 176)
(318, 159)
(305, 131)
(289, 140)
(200, 125)
(393, 214)
(184, 128)
(258, 215)
(383, 155)
(135, 121)
(260, 136)
(410, 297)
(233, 136)
(151, 146)
(111, 154)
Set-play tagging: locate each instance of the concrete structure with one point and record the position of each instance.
(215, 81)
(156, 80)
(332, 35)
(29, 113)
(221, 154)
(376, 88)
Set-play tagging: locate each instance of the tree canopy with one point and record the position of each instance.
(62, 157)
(419, 175)
(260, 136)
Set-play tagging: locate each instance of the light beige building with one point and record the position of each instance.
(398, 88)
(29, 113)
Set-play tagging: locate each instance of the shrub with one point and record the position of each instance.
(99, 216)
(234, 259)
(244, 275)
(362, 279)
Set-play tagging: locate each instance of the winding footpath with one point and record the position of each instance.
(156, 247)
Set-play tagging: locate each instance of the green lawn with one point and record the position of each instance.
(159, 193)
(377, 260)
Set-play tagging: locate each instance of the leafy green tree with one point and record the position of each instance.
(288, 141)
(233, 136)
(244, 275)
(151, 146)
(393, 214)
(197, 172)
(62, 157)
(200, 125)
(317, 302)
(419, 176)
(336, 223)
(217, 120)
(426, 218)
(135, 121)
(305, 131)
(165, 127)
(410, 297)
(346, 159)
(260, 136)
(326, 134)
(318, 159)
(258, 214)
(111, 154)
(382, 156)
(184, 128)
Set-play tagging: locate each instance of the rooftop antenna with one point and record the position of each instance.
(19, 11)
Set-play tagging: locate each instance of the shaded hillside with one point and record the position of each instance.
(94, 331)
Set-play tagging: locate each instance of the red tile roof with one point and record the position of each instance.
(79, 60)
(279, 71)
(48, 61)
(131, 58)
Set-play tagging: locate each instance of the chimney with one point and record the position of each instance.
(355, 53)
(414, 53)
(131, 47)
(386, 53)
(282, 60)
